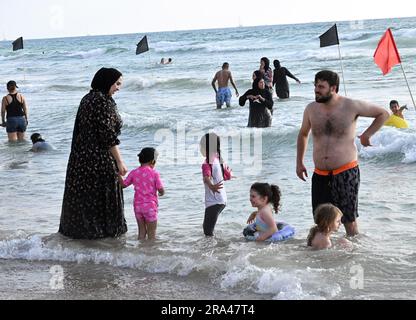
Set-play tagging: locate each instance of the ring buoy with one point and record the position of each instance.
(395, 121)
(284, 232)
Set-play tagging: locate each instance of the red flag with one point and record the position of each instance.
(387, 55)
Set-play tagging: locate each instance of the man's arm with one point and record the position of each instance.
(302, 146)
(235, 87)
(365, 109)
(401, 111)
(214, 81)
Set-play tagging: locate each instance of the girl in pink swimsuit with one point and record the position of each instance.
(147, 184)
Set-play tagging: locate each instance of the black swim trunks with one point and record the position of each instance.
(341, 190)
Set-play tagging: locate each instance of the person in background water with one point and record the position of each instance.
(267, 73)
(223, 93)
(165, 61)
(39, 144)
(214, 172)
(280, 82)
(93, 205)
(333, 122)
(396, 109)
(147, 185)
(14, 109)
(257, 74)
(261, 105)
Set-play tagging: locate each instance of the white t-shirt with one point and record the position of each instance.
(211, 198)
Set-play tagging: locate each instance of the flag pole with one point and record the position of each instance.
(150, 65)
(342, 68)
(408, 86)
(24, 69)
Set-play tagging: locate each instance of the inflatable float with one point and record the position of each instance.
(395, 121)
(284, 232)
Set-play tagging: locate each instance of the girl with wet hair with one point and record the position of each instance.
(328, 220)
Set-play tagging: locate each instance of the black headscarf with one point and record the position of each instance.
(277, 64)
(256, 90)
(104, 79)
(258, 74)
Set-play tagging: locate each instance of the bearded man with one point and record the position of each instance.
(333, 121)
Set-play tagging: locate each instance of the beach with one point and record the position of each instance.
(170, 107)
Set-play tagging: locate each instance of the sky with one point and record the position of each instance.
(64, 18)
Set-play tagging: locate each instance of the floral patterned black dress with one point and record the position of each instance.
(93, 205)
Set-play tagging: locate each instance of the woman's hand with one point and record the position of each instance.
(122, 169)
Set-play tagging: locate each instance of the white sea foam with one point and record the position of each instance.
(87, 54)
(36, 248)
(391, 141)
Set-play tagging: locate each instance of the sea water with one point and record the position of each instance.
(170, 107)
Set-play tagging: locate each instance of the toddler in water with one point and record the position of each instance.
(328, 220)
(215, 172)
(261, 196)
(147, 184)
(39, 144)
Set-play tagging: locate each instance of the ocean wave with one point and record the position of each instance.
(288, 285)
(66, 88)
(106, 252)
(172, 47)
(95, 52)
(320, 55)
(406, 33)
(173, 83)
(246, 270)
(87, 54)
(390, 142)
(359, 36)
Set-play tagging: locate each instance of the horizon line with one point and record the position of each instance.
(203, 29)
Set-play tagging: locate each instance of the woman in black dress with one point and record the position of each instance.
(261, 105)
(280, 80)
(93, 206)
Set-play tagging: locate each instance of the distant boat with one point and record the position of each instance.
(240, 25)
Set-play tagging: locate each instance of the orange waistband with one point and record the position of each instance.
(348, 166)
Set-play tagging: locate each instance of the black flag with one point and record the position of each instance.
(142, 46)
(18, 44)
(330, 37)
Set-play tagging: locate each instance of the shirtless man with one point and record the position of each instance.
(223, 94)
(333, 121)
